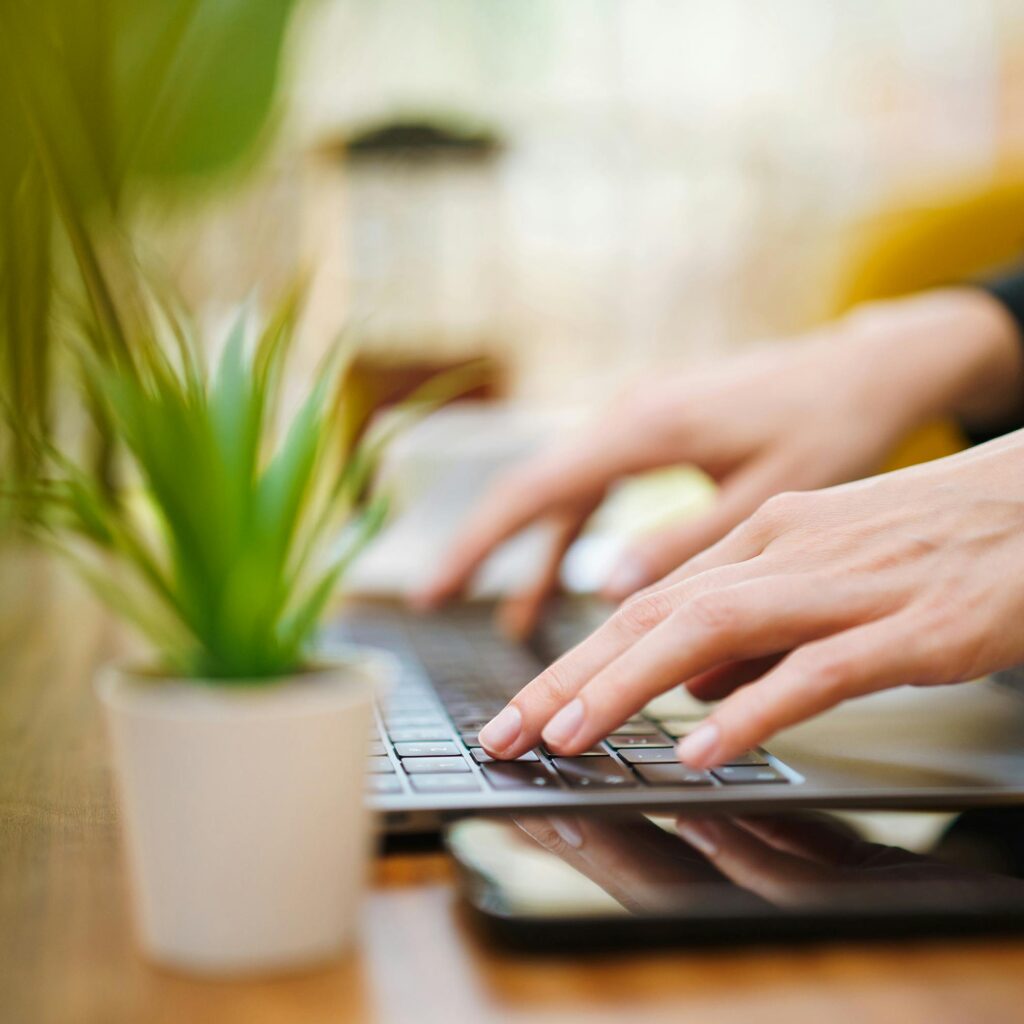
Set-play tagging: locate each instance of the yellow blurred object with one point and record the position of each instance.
(959, 235)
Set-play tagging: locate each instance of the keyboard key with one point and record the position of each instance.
(478, 710)
(438, 765)
(444, 748)
(596, 750)
(384, 784)
(377, 749)
(470, 737)
(414, 706)
(672, 775)
(445, 783)
(407, 721)
(643, 739)
(470, 724)
(420, 734)
(514, 775)
(650, 755)
(737, 775)
(482, 757)
(635, 727)
(379, 765)
(750, 757)
(594, 773)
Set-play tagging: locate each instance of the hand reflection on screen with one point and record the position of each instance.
(630, 857)
(784, 861)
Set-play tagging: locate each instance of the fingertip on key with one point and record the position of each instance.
(700, 748)
(558, 733)
(501, 732)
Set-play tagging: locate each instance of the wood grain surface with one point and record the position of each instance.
(67, 954)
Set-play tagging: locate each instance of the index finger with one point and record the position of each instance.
(577, 474)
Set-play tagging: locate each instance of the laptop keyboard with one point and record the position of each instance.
(457, 674)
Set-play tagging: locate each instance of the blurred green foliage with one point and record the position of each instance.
(226, 550)
(222, 538)
(103, 104)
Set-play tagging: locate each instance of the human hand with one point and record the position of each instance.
(819, 411)
(908, 578)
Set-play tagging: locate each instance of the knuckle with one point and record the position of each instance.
(781, 508)
(552, 685)
(828, 672)
(645, 611)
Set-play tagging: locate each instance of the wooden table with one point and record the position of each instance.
(67, 956)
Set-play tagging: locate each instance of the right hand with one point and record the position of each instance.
(820, 411)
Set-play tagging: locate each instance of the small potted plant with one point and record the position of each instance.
(238, 748)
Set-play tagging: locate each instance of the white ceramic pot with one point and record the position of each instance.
(243, 812)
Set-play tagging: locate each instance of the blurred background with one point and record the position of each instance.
(582, 191)
(588, 188)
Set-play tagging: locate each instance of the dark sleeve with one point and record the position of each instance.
(1009, 291)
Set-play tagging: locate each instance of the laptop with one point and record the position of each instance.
(926, 748)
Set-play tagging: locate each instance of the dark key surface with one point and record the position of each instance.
(445, 783)
(438, 748)
(434, 765)
(672, 775)
(420, 733)
(642, 739)
(737, 775)
(650, 755)
(383, 784)
(635, 728)
(482, 757)
(595, 751)
(470, 724)
(517, 775)
(379, 765)
(594, 773)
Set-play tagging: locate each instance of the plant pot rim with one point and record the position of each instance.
(341, 677)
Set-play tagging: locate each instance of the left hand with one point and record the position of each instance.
(914, 577)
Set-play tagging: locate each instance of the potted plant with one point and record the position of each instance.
(238, 747)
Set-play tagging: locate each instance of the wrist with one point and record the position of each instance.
(952, 352)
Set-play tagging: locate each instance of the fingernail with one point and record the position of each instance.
(701, 834)
(698, 749)
(565, 724)
(626, 578)
(569, 831)
(501, 731)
